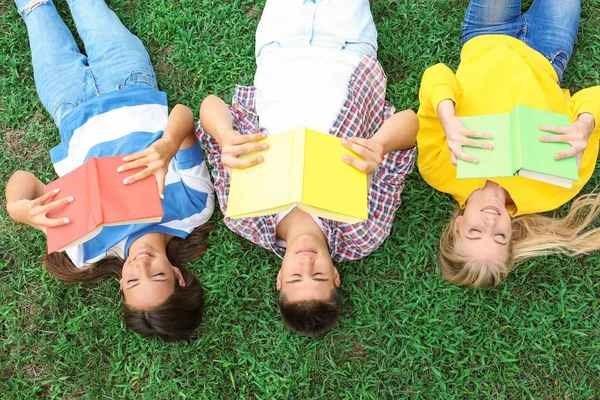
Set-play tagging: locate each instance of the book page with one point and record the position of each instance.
(539, 156)
(264, 188)
(329, 183)
(492, 163)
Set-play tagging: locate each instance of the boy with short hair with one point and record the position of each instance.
(316, 67)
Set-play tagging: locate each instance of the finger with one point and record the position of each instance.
(555, 129)
(478, 143)
(136, 156)
(567, 153)
(452, 158)
(358, 141)
(146, 172)
(554, 138)
(55, 221)
(360, 165)
(44, 198)
(247, 148)
(475, 134)
(55, 204)
(131, 165)
(359, 149)
(365, 148)
(241, 163)
(242, 139)
(461, 155)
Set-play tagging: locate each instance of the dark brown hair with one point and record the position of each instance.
(176, 318)
(311, 317)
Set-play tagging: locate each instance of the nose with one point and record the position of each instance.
(307, 260)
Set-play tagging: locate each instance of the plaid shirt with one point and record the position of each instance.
(362, 114)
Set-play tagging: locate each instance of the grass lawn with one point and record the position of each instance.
(403, 332)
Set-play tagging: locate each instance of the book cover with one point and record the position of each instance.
(101, 198)
(302, 167)
(517, 147)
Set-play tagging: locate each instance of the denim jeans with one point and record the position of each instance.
(549, 26)
(64, 77)
(346, 25)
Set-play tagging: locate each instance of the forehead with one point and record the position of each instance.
(307, 289)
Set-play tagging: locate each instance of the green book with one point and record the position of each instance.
(517, 148)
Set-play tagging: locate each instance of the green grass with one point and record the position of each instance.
(403, 333)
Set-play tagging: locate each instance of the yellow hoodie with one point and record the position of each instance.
(495, 73)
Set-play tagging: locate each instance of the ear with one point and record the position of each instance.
(179, 276)
(336, 277)
(457, 222)
(121, 284)
(279, 280)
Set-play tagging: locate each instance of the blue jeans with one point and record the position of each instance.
(549, 26)
(64, 77)
(345, 25)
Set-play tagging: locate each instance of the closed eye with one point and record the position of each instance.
(501, 235)
(159, 274)
(132, 280)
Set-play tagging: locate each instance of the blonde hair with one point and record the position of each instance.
(532, 235)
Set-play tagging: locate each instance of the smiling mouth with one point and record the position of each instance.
(490, 210)
(306, 251)
(142, 254)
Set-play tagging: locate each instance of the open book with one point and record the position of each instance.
(517, 148)
(302, 168)
(101, 199)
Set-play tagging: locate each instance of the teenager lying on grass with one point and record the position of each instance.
(508, 58)
(316, 67)
(108, 103)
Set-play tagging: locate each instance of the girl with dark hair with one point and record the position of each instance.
(107, 103)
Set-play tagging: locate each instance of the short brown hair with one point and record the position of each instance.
(310, 317)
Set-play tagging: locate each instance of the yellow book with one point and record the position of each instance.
(302, 168)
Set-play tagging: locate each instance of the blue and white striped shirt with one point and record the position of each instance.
(124, 122)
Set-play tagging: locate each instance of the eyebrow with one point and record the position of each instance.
(495, 241)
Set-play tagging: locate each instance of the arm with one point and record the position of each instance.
(178, 134)
(217, 122)
(26, 201)
(398, 132)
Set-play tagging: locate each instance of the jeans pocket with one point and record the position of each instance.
(139, 79)
(62, 109)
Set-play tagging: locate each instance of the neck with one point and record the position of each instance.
(297, 223)
(155, 239)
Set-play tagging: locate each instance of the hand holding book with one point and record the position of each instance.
(369, 149)
(458, 136)
(233, 145)
(33, 212)
(577, 135)
(155, 158)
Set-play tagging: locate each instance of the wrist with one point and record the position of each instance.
(224, 132)
(588, 120)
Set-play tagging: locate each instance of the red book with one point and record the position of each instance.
(101, 198)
